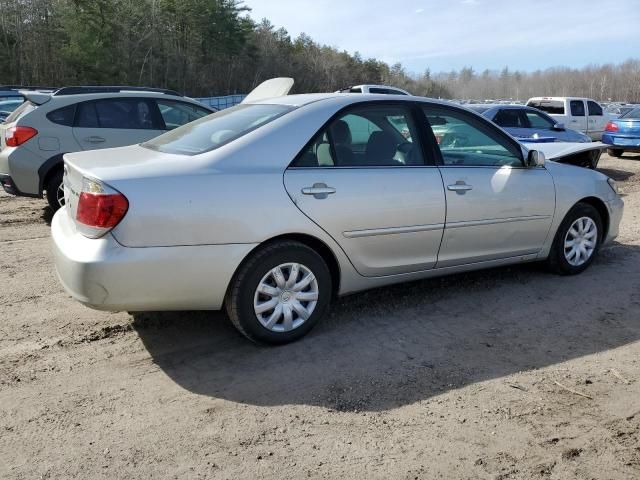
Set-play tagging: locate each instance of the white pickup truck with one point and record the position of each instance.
(582, 114)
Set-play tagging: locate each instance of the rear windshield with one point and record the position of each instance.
(550, 106)
(634, 113)
(213, 131)
(21, 111)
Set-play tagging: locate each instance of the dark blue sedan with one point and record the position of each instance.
(528, 124)
(623, 133)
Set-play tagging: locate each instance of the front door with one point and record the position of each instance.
(496, 208)
(365, 181)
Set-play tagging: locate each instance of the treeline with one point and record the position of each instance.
(212, 47)
(601, 82)
(200, 47)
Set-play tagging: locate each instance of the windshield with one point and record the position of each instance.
(632, 114)
(213, 131)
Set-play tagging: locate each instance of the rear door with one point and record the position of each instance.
(367, 182)
(116, 122)
(597, 120)
(578, 116)
(496, 208)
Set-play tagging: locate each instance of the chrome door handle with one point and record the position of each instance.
(319, 190)
(459, 187)
(94, 139)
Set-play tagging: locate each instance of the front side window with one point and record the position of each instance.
(213, 131)
(175, 114)
(594, 109)
(372, 136)
(467, 141)
(537, 120)
(577, 108)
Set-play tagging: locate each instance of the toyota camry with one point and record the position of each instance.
(272, 208)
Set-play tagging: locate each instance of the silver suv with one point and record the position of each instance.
(37, 134)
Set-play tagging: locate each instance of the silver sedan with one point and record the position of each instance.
(271, 208)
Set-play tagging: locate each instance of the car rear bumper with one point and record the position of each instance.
(105, 275)
(622, 142)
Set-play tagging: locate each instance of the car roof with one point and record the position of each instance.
(301, 100)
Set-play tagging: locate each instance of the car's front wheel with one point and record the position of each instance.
(577, 240)
(279, 293)
(615, 152)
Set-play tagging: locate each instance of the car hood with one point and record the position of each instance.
(558, 150)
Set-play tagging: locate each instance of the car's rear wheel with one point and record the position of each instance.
(55, 191)
(279, 293)
(615, 152)
(577, 241)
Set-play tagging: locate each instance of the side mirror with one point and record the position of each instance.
(535, 158)
(559, 127)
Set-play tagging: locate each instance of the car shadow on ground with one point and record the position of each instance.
(397, 345)
(616, 174)
(47, 214)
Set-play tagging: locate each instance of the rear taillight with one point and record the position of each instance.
(100, 208)
(611, 127)
(16, 136)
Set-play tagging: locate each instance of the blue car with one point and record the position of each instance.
(623, 133)
(528, 124)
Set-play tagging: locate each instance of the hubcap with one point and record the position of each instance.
(60, 195)
(286, 297)
(580, 241)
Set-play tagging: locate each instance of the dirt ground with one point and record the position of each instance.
(504, 374)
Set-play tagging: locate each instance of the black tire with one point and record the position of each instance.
(615, 152)
(557, 261)
(52, 186)
(239, 301)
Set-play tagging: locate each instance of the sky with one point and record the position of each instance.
(449, 34)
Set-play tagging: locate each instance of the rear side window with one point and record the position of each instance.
(213, 131)
(594, 108)
(121, 113)
(510, 118)
(175, 114)
(63, 116)
(577, 108)
(129, 113)
(21, 111)
(554, 107)
(372, 136)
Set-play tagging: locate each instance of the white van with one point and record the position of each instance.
(582, 114)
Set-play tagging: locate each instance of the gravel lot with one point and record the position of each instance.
(470, 376)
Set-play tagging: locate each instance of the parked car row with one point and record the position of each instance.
(271, 208)
(36, 135)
